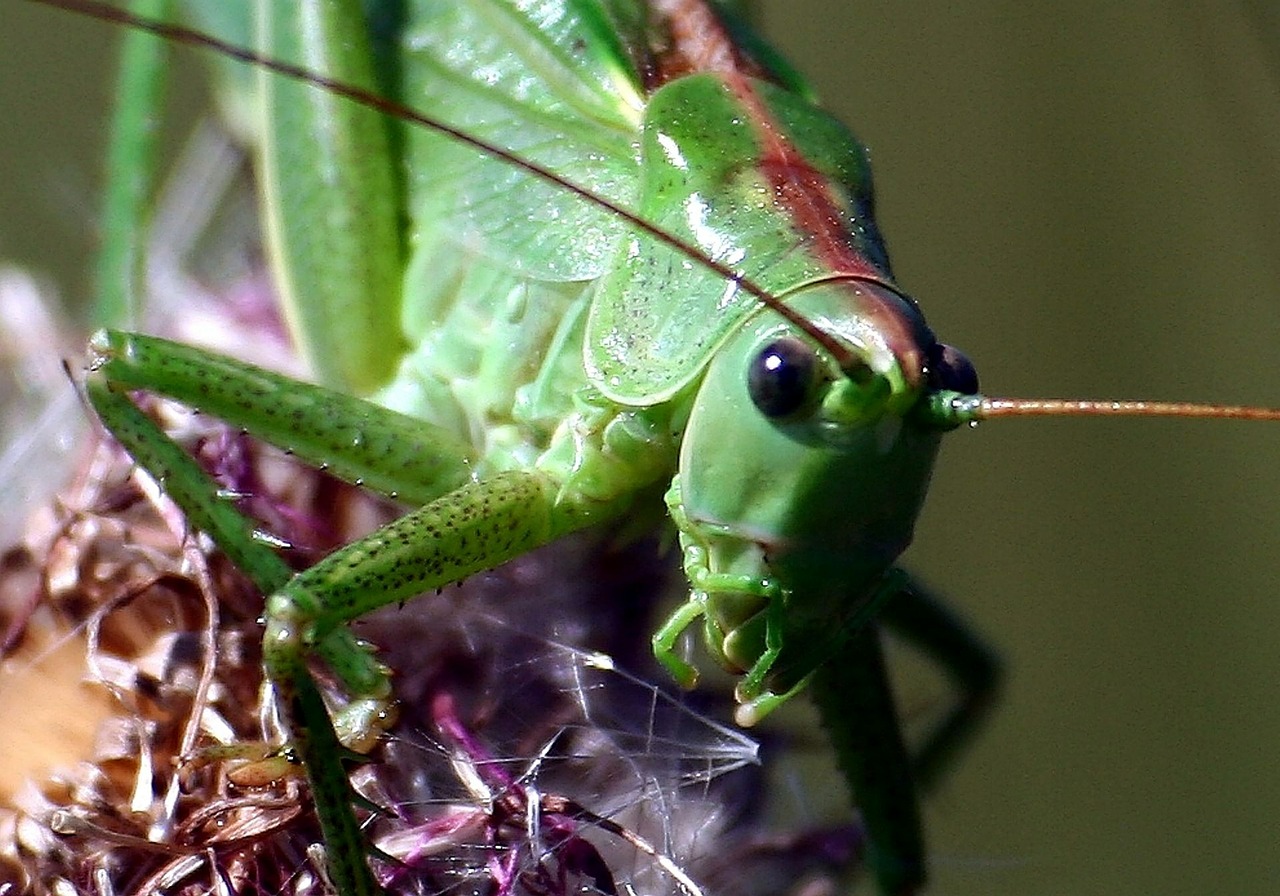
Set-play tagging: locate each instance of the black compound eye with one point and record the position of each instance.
(949, 369)
(782, 377)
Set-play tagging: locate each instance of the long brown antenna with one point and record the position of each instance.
(990, 408)
(950, 409)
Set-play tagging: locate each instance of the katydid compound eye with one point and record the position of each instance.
(782, 377)
(949, 369)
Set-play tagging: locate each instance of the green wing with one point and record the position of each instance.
(558, 81)
(501, 263)
(551, 81)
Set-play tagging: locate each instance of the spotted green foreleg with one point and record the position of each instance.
(186, 484)
(354, 439)
(314, 743)
(474, 528)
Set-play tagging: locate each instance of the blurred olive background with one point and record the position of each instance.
(1085, 198)
(54, 86)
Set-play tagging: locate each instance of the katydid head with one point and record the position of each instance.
(804, 464)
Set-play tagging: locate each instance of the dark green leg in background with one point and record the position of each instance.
(855, 699)
(853, 695)
(926, 622)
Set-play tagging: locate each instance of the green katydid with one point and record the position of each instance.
(855, 361)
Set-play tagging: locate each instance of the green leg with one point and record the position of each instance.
(314, 742)
(467, 529)
(187, 485)
(394, 454)
(855, 699)
(667, 637)
(922, 619)
(473, 528)
(131, 168)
